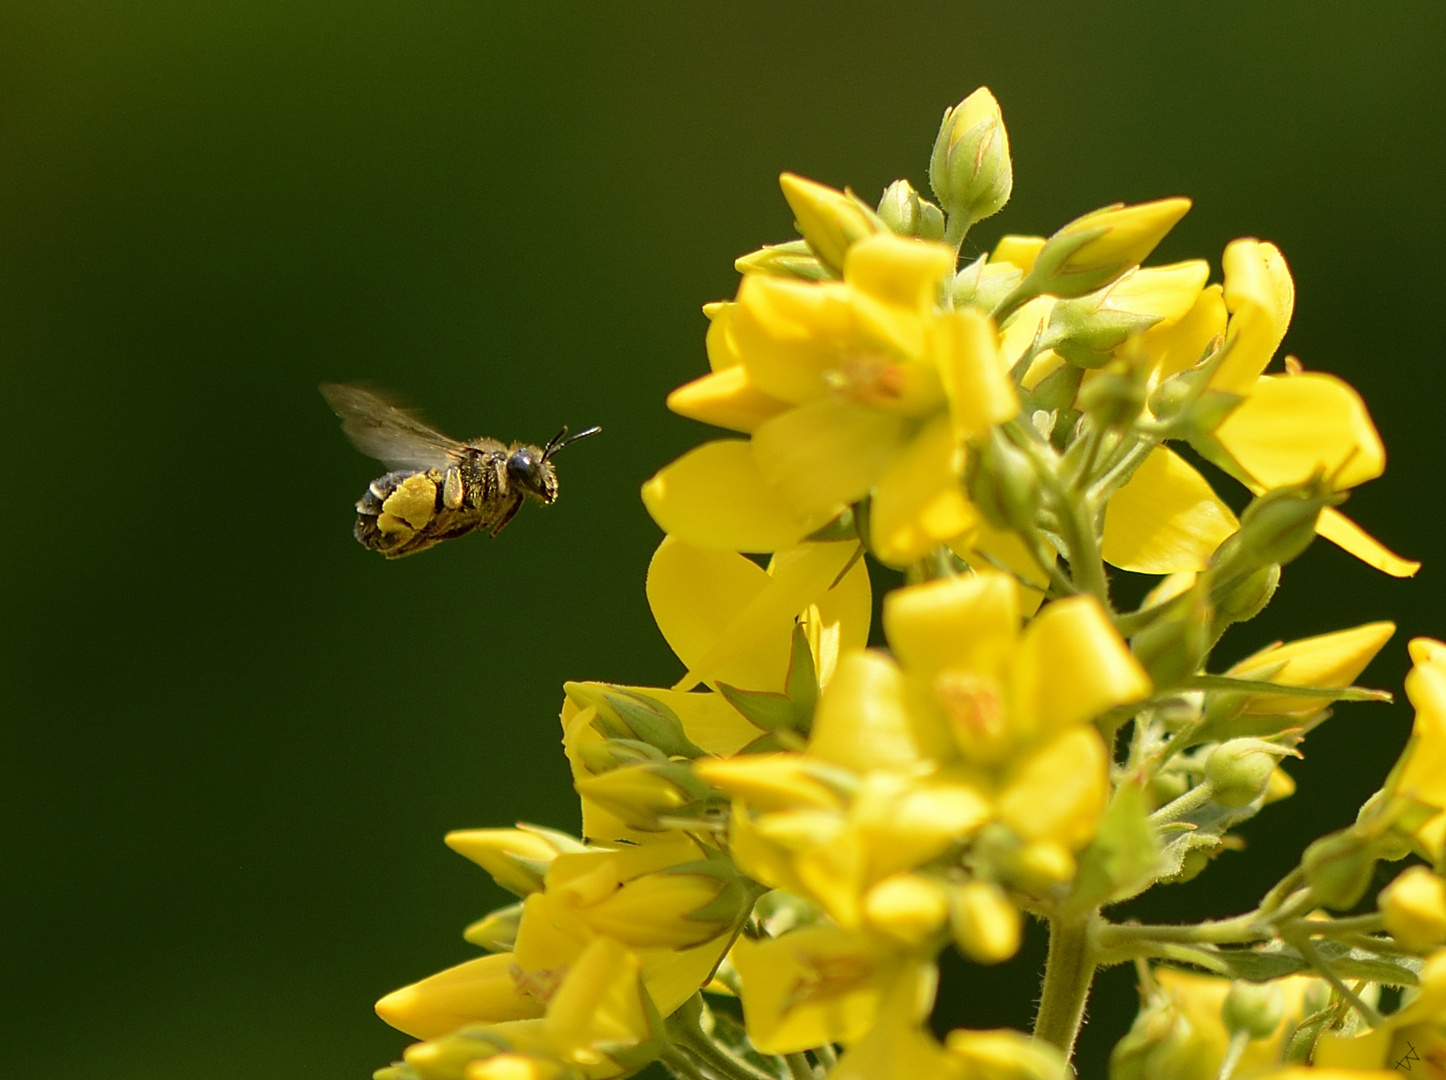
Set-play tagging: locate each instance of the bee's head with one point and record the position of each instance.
(530, 467)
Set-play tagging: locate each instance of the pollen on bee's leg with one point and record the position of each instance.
(414, 501)
(391, 525)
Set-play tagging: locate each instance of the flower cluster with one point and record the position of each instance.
(775, 851)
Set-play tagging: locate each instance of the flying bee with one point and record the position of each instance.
(438, 488)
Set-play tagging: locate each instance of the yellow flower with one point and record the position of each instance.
(1330, 660)
(847, 388)
(1414, 908)
(1411, 1039)
(1421, 775)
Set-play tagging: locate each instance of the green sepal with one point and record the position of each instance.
(791, 710)
(624, 714)
(794, 258)
(1124, 858)
(497, 930)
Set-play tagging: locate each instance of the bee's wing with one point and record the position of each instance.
(387, 432)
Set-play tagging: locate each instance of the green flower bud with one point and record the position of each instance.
(1338, 868)
(1238, 770)
(1244, 597)
(1275, 528)
(642, 794)
(793, 259)
(970, 170)
(1002, 484)
(626, 714)
(1162, 1044)
(831, 221)
(983, 284)
(902, 210)
(1254, 1008)
(1086, 332)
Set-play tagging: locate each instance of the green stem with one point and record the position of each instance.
(1193, 799)
(1238, 1042)
(1309, 951)
(826, 1056)
(1068, 973)
(681, 1065)
(798, 1066)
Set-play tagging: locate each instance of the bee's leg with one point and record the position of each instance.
(507, 515)
(452, 488)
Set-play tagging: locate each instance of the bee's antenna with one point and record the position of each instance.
(562, 438)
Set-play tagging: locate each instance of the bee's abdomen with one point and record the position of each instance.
(405, 512)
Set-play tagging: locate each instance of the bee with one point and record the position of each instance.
(439, 488)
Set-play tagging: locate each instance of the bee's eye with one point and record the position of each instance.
(524, 468)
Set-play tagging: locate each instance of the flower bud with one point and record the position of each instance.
(986, 925)
(831, 221)
(1162, 1044)
(640, 795)
(1414, 908)
(794, 259)
(517, 858)
(1275, 528)
(1338, 868)
(452, 1057)
(1086, 332)
(496, 931)
(970, 170)
(626, 714)
(1006, 1055)
(1253, 1008)
(984, 284)
(902, 210)
(1238, 770)
(1093, 250)
(1244, 597)
(1002, 484)
(909, 908)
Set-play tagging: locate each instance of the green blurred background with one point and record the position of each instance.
(233, 738)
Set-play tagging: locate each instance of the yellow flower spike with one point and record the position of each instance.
(869, 718)
(968, 352)
(777, 781)
(1325, 660)
(1414, 908)
(831, 221)
(986, 925)
(814, 986)
(484, 990)
(919, 501)
(1020, 251)
(790, 334)
(1071, 666)
(969, 622)
(1006, 1055)
(599, 1004)
(715, 496)
(516, 858)
(725, 399)
(1060, 791)
(827, 454)
(1422, 775)
(1166, 519)
(1292, 426)
(1260, 297)
(910, 909)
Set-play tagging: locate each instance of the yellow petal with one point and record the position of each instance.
(1293, 425)
(480, 991)
(867, 718)
(715, 496)
(722, 353)
(1173, 348)
(1260, 296)
(1166, 292)
(1324, 660)
(967, 350)
(1424, 774)
(1342, 531)
(725, 399)
(838, 621)
(898, 271)
(918, 503)
(1071, 666)
(600, 1002)
(1060, 791)
(1019, 251)
(968, 622)
(790, 333)
(1166, 519)
(985, 546)
(812, 986)
(698, 598)
(824, 455)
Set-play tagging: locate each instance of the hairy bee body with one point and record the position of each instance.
(444, 488)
